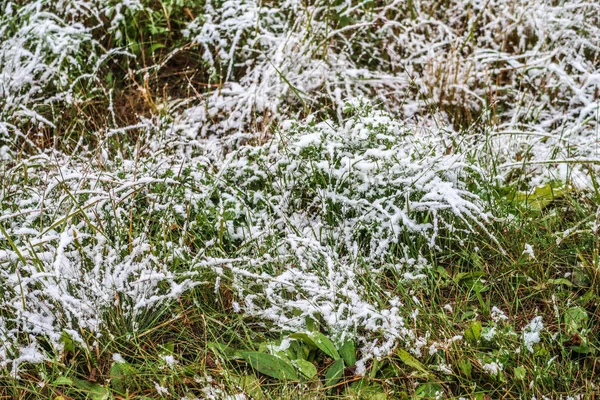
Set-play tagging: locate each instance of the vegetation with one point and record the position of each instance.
(255, 199)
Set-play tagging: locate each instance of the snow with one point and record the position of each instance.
(492, 368)
(384, 156)
(531, 333)
(529, 251)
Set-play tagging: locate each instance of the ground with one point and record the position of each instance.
(299, 199)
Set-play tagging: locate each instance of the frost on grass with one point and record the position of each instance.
(49, 58)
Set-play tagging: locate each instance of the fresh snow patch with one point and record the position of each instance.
(531, 333)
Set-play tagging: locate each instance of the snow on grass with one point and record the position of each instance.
(309, 217)
(304, 223)
(531, 333)
(531, 72)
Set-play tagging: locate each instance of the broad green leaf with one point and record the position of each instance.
(116, 377)
(334, 372)
(580, 278)
(306, 368)
(348, 352)
(94, 391)
(429, 391)
(473, 332)
(441, 272)
(68, 345)
(155, 47)
(462, 276)
(465, 366)
(297, 350)
(520, 373)
(575, 319)
(541, 196)
(118, 373)
(409, 360)
(317, 339)
(270, 365)
(311, 324)
(582, 348)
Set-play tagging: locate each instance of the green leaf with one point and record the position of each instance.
(409, 360)
(94, 391)
(348, 352)
(306, 368)
(467, 315)
(119, 372)
(560, 281)
(575, 319)
(465, 366)
(169, 347)
(334, 372)
(429, 391)
(155, 47)
(116, 377)
(375, 367)
(63, 380)
(463, 276)
(580, 278)
(68, 345)
(320, 341)
(520, 373)
(270, 365)
(297, 350)
(541, 197)
(311, 324)
(348, 108)
(582, 348)
(473, 332)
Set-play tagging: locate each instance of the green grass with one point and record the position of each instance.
(472, 278)
(249, 252)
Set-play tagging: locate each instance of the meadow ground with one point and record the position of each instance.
(299, 199)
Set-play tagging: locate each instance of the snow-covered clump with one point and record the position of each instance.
(326, 206)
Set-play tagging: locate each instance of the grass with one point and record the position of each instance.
(262, 200)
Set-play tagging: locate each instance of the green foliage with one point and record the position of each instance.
(270, 365)
(320, 341)
(473, 332)
(300, 358)
(334, 373)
